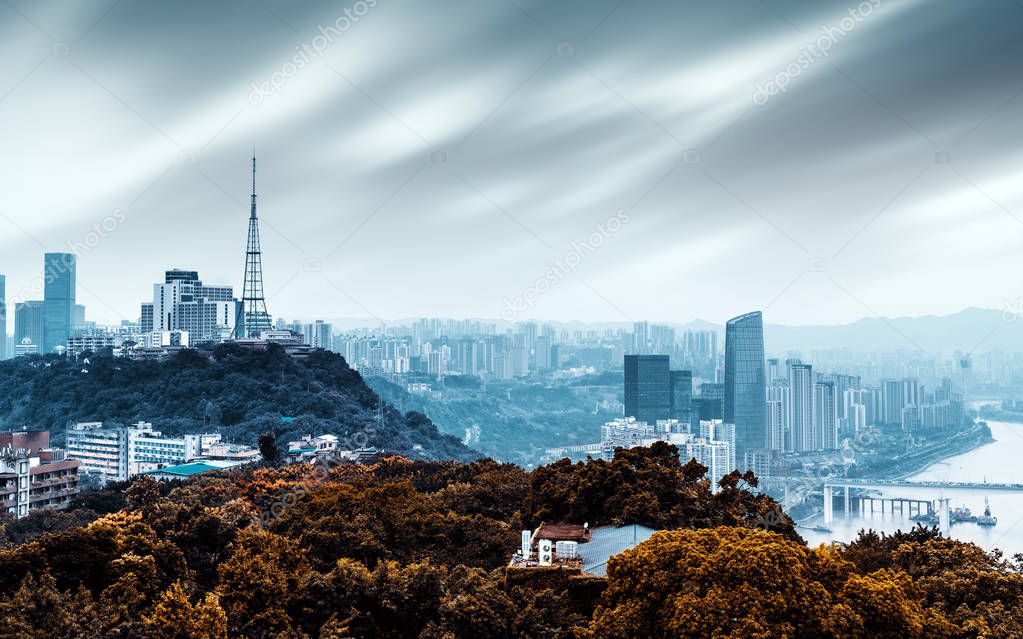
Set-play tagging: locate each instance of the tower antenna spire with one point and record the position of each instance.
(253, 182)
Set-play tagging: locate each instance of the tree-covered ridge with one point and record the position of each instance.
(417, 549)
(398, 548)
(238, 392)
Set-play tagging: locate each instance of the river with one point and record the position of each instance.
(998, 462)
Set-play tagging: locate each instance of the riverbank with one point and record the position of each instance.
(960, 443)
(901, 467)
(999, 415)
(966, 480)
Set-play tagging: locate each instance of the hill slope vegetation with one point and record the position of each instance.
(237, 392)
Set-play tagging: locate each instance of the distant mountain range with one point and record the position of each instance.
(973, 330)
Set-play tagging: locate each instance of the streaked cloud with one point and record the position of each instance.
(450, 152)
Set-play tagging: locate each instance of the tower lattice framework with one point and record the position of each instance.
(253, 317)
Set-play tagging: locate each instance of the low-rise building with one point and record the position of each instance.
(184, 471)
(576, 548)
(33, 475)
(91, 342)
(310, 448)
(232, 452)
(118, 453)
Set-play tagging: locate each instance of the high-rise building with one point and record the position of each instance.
(891, 401)
(59, 274)
(647, 387)
(542, 355)
(323, 335)
(825, 416)
(78, 322)
(780, 438)
(28, 324)
(146, 317)
(800, 425)
(3, 318)
(745, 382)
(854, 409)
(717, 431)
(775, 424)
(682, 396)
(842, 384)
(641, 337)
(711, 401)
(183, 303)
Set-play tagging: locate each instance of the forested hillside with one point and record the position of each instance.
(237, 392)
(513, 420)
(416, 550)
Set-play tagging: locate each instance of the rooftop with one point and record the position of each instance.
(608, 541)
(194, 468)
(560, 532)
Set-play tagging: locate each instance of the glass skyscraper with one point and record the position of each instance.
(59, 274)
(745, 382)
(682, 397)
(647, 387)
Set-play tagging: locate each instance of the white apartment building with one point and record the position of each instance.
(716, 431)
(184, 303)
(715, 455)
(627, 432)
(713, 445)
(92, 341)
(119, 453)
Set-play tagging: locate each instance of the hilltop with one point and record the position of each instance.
(237, 392)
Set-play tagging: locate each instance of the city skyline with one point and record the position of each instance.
(560, 123)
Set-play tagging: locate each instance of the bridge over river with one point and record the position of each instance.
(898, 495)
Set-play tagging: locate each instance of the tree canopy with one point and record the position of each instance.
(418, 549)
(238, 392)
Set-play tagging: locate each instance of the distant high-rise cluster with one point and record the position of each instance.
(810, 411)
(318, 334)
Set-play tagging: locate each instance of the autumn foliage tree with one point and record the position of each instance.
(402, 549)
(738, 583)
(649, 486)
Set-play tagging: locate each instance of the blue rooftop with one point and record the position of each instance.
(185, 470)
(606, 542)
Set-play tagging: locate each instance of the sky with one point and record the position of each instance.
(603, 160)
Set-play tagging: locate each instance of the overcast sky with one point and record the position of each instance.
(437, 158)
